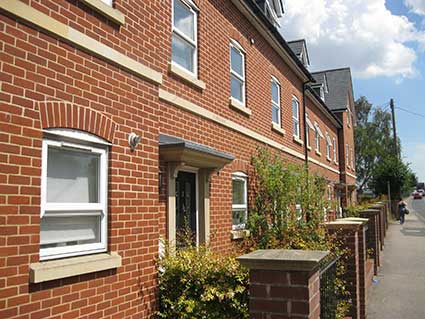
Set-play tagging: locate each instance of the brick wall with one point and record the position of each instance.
(47, 83)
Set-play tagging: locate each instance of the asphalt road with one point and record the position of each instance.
(400, 289)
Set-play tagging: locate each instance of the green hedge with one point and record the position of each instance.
(198, 284)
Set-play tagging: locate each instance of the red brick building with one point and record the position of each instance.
(122, 122)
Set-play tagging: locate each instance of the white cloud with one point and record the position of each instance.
(362, 34)
(417, 6)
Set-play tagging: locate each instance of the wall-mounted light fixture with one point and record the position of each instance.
(133, 140)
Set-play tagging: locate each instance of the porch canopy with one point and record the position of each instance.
(174, 149)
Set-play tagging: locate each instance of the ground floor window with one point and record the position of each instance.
(239, 200)
(73, 194)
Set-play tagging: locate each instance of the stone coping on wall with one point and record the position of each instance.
(284, 259)
(344, 224)
(357, 219)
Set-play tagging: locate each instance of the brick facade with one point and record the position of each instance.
(50, 82)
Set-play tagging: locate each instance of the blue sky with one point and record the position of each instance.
(383, 41)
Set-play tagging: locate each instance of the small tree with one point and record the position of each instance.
(394, 171)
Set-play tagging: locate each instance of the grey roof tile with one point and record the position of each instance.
(339, 87)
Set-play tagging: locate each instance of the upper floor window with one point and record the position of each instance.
(73, 195)
(328, 146)
(237, 72)
(239, 200)
(335, 154)
(318, 134)
(275, 101)
(184, 37)
(307, 131)
(295, 117)
(352, 158)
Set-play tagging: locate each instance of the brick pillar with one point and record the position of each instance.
(385, 208)
(380, 207)
(373, 235)
(363, 278)
(284, 283)
(348, 233)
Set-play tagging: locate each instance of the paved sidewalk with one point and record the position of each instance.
(400, 293)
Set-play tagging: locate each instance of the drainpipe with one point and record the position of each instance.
(305, 125)
(305, 138)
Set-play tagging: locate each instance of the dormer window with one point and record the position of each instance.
(273, 9)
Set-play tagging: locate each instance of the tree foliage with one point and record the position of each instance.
(377, 161)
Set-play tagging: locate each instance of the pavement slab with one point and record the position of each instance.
(400, 289)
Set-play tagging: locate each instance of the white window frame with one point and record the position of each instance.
(352, 158)
(194, 43)
(72, 139)
(317, 136)
(241, 77)
(335, 150)
(307, 131)
(275, 104)
(241, 177)
(328, 146)
(108, 2)
(296, 119)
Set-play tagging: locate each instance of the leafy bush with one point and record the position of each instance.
(198, 284)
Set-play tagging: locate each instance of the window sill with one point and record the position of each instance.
(239, 234)
(185, 75)
(298, 140)
(309, 148)
(318, 153)
(105, 10)
(328, 159)
(239, 106)
(277, 128)
(69, 267)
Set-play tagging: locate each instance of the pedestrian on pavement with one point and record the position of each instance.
(402, 206)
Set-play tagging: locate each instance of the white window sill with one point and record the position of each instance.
(309, 147)
(328, 159)
(69, 267)
(106, 10)
(185, 75)
(239, 234)
(318, 153)
(239, 106)
(336, 163)
(298, 140)
(277, 128)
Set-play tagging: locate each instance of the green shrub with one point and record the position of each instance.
(198, 284)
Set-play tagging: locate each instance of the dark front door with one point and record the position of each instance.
(185, 209)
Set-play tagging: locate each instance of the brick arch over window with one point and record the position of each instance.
(69, 115)
(240, 166)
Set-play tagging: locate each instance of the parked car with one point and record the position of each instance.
(416, 195)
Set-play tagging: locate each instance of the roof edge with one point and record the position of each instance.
(256, 13)
(329, 114)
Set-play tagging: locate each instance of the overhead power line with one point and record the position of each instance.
(407, 111)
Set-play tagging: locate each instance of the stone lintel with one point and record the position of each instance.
(283, 259)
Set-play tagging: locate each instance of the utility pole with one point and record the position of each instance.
(394, 128)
